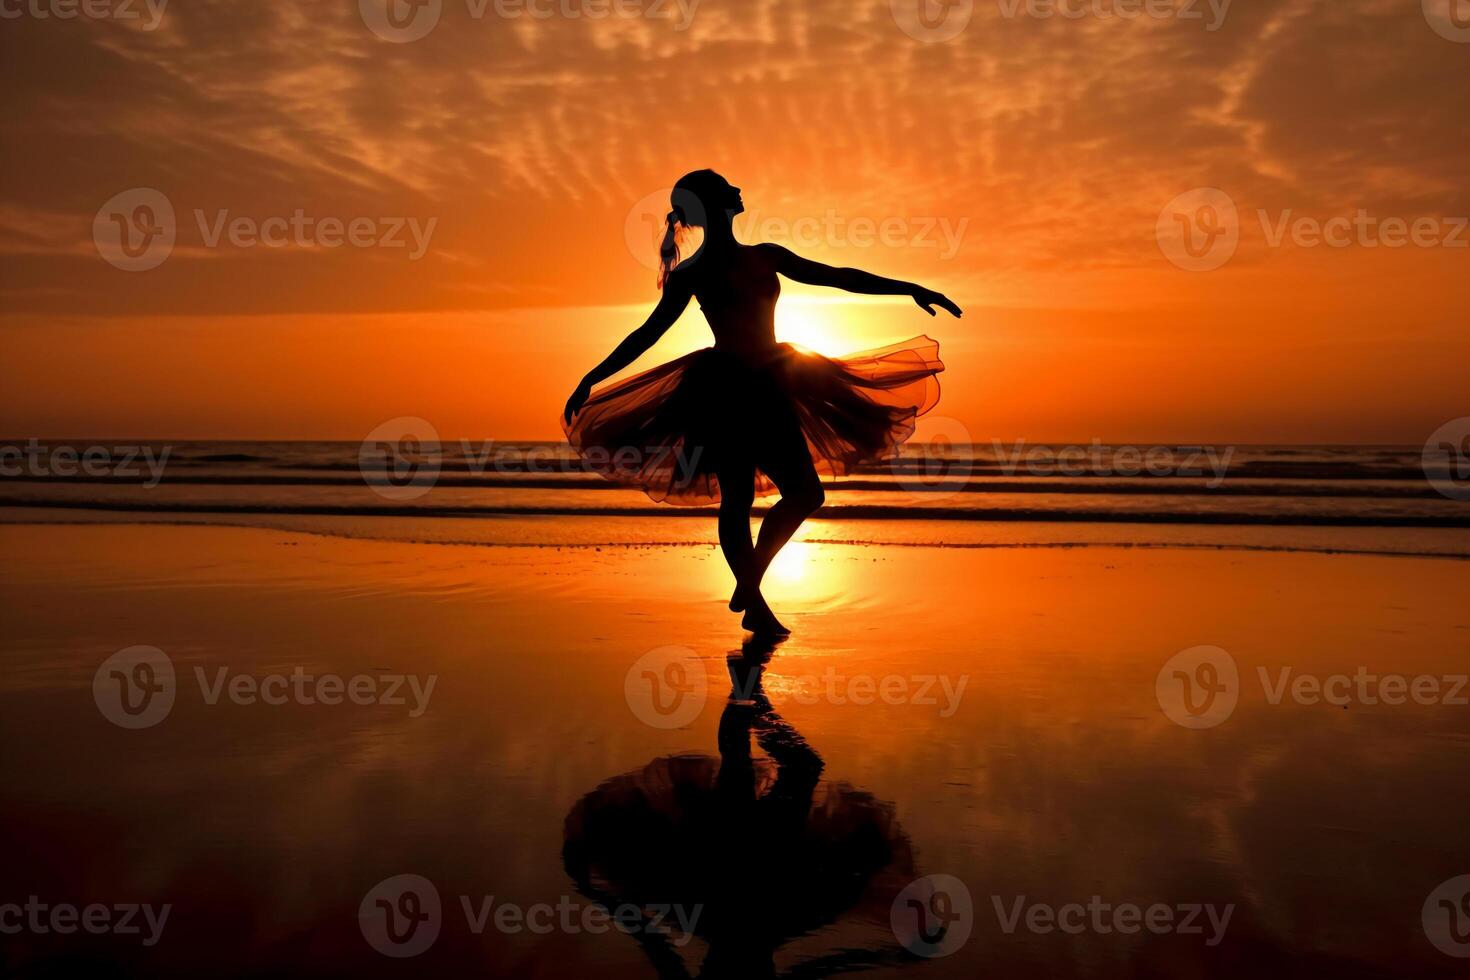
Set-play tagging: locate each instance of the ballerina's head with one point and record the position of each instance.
(700, 199)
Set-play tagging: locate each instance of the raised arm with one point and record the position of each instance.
(798, 269)
(671, 304)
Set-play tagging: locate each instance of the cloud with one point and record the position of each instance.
(529, 139)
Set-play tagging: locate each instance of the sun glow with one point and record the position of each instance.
(811, 326)
(790, 565)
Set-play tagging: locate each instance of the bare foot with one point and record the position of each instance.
(761, 621)
(737, 599)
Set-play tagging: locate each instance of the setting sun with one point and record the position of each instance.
(811, 325)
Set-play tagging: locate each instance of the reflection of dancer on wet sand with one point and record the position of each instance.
(748, 416)
(763, 848)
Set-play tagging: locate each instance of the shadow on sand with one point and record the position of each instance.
(753, 852)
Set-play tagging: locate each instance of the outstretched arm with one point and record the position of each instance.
(670, 305)
(796, 268)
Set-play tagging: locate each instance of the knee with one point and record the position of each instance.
(810, 496)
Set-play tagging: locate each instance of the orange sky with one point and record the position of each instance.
(1021, 167)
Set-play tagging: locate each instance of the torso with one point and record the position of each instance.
(737, 293)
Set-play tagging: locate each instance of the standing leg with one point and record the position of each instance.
(737, 494)
(788, 463)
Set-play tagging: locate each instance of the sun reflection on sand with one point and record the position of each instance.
(805, 574)
(808, 573)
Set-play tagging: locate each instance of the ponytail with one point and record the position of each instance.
(668, 251)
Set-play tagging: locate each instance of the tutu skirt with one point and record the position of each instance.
(670, 429)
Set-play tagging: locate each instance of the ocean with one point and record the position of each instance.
(1372, 499)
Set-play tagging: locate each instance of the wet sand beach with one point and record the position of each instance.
(1016, 719)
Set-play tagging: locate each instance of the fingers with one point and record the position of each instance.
(929, 299)
(948, 304)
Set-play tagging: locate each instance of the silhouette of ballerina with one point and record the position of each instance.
(759, 848)
(748, 416)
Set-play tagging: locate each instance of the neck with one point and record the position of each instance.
(719, 233)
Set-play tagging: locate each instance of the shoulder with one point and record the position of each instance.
(680, 281)
(777, 255)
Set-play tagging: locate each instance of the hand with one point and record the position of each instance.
(928, 299)
(578, 399)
